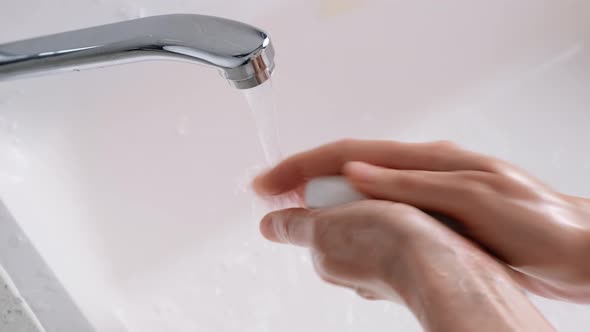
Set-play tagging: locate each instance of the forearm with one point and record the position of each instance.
(477, 305)
(471, 298)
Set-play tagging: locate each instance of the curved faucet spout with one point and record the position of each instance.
(243, 54)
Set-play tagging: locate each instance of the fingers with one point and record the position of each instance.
(329, 160)
(292, 226)
(454, 193)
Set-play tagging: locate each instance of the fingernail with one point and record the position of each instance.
(361, 171)
(267, 228)
(280, 233)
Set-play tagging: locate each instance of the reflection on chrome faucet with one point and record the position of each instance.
(243, 54)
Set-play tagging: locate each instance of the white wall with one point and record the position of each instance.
(156, 225)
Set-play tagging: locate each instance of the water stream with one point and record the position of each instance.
(262, 104)
(264, 110)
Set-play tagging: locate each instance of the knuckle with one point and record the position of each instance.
(345, 142)
(474, 182)
(445, 145)
(474, 189)
(497, 166)
(341, 146)
(404, 182)
(438, 154)
(479, 183)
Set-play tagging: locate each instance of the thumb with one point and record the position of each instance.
(293, 226)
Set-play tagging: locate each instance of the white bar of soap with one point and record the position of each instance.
(329, 191)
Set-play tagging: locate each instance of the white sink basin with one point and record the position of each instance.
(132, 180)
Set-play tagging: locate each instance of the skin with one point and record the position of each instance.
(516, 232)
(387, 250)
(543, 235)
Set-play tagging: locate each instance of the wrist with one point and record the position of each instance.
(459, 290)
(445, 273)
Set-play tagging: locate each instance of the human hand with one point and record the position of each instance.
(382, 249)
(542, 234)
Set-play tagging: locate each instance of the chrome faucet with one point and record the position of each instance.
(243, 54)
